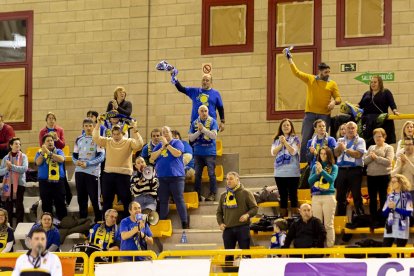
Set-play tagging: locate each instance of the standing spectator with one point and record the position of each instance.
(407, 132)
(203, 134)
(13, 169)
(148, 148)
(105, 234)
(285, 148)
(119, 103)
(379, 164)
(168, 155)
(322, 180)
(349, 151)
(38, 259)
(118, 166)
(405, 163)
(54, 130)
(188, 157)
(51, 174)
(6, 233)
(397, 210)
(135, 231)
(375, 102)
(236, 206)
(341, 131)
(6, 133)
(87, 157)
(205, 95)
(144, 187)
(307, 231)
(321, 97)
(52, 233)
(93, 115)
(320, 139)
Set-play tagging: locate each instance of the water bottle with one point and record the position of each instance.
(184, 238)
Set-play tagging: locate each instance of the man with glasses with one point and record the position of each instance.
(105, 234)
(405, 163)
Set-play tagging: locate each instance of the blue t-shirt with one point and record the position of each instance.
(166, 164)
(52, 235)
(188, 149)
(203, 145)
(210, 98)
(145, 153)
(131, 244)
(105, 237)
(43, 170)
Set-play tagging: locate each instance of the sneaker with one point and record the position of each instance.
(185, 225)
(211, 197)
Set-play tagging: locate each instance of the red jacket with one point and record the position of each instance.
(6, 133)
(60, 144)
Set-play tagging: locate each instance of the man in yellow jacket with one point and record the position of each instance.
(322, 95)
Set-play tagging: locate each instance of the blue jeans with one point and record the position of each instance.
(307, 130)
(146, 202)
(175, 186)
(199, 162)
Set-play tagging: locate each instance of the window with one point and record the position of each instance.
(227, 26)
(16, 52)
(363, 22)
(295, 23)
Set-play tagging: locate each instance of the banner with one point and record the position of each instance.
(327, 267)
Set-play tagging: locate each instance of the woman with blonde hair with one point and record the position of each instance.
(119, 103)
(6, 233)
(397, 210)
(407, 131)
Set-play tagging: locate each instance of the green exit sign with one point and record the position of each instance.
(366, 77)
(348, 67)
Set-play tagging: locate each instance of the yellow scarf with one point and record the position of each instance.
(230, 199)
(323, 184)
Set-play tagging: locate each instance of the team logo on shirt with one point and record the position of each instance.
(164, 153)
(203, 98)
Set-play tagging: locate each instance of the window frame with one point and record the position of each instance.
(272, 114)
(341, 41)
(27, 64)
(206, 49)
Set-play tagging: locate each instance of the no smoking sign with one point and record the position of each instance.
(206, 68)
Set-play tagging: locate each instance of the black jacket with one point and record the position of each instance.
(306, 234)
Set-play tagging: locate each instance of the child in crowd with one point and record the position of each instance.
(280, 227)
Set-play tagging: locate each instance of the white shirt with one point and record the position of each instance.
(49, 264)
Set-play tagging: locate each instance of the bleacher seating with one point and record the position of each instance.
(190, 199)
(31, 153)
(304, 196)
(162, 229)
(219, 174)
(219, 147)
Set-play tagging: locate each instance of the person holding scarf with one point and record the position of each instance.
(236, 206)
(13, 169)
(147, 149)
(321, 138)
(105, 234)
(6, 233)
(349, 151)
(397, 210)
(51, 175)
(203, 134)
(321, 180)
(285, 148)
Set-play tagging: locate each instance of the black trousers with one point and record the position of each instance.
(88, 185)
(18, 202)
(377, 185)
(53, 193)
(349, 179)
(234, 235)
(288, 187)
(387, 242)
(115, 183)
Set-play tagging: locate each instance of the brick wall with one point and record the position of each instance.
(84, 49)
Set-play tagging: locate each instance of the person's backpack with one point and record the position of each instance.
(304, 176)
(265, 224)
(366, 243)
(264, 195)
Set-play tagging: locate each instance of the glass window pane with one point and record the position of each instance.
(294, 23)
(364, 18)
(12, 91)
(12, 40)
(290, 91)
(228, 25)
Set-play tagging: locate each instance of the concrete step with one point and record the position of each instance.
(196, 239)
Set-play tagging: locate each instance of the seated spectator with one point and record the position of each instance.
(379, 164)
(144, 186)
(148, 148)
(341, 131)
(93, 115)
(322, 180)
(407, 132)
(119, 103)
(187, 156)
(405, 163)
(280, 226)
(285, 148)
(105, 234)
(6, 233)
(307, 231)
(320, 138)
(397, 209)
(52, 233)
(54, 130)
(13, 169)
(135, 232)
(6, 133)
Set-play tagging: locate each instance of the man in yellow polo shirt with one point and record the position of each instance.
(322, 95)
